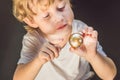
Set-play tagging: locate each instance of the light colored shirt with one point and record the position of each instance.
(68, 66)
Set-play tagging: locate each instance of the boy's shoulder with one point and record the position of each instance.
(77, 25)
(78, 22)
(33, 36)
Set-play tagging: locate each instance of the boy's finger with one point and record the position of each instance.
(45, 56)
(95, 34)
(54, 49)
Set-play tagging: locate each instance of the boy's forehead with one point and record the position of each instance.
(46, 2)
(43, 5)
(39, 4)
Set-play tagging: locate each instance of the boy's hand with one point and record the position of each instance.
(48, 52)
(88, 48)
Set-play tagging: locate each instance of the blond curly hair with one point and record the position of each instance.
(23, 9)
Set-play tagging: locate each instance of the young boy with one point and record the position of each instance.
(46, 53)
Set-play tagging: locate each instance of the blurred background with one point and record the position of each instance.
(103, 15)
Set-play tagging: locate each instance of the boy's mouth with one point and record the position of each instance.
(61, 27)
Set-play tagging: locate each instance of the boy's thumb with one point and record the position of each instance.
(71, 49)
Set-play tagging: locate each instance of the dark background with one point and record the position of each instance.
(103, 15)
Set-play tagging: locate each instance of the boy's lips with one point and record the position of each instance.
(61, 26)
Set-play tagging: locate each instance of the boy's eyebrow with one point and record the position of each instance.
(60, 0)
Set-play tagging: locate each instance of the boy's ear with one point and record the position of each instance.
(30, 23)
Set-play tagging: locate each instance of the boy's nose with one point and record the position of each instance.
(58, 17)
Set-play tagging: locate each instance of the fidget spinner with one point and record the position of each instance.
(75, 40)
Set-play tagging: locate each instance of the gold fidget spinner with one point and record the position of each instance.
(76, 40)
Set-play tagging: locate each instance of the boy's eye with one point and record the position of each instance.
(46, 16)
(61, 8)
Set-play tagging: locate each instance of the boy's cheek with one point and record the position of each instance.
(69, 11)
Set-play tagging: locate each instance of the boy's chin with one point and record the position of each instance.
(60, 45)
(58, 42)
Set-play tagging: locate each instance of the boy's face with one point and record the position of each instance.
(55, 21)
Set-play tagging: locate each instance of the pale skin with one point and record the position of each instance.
(102, 65)
(58, 17)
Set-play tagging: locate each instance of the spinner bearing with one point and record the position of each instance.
(76, 40)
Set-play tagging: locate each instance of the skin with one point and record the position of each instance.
(54, 20)
(102, 65)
